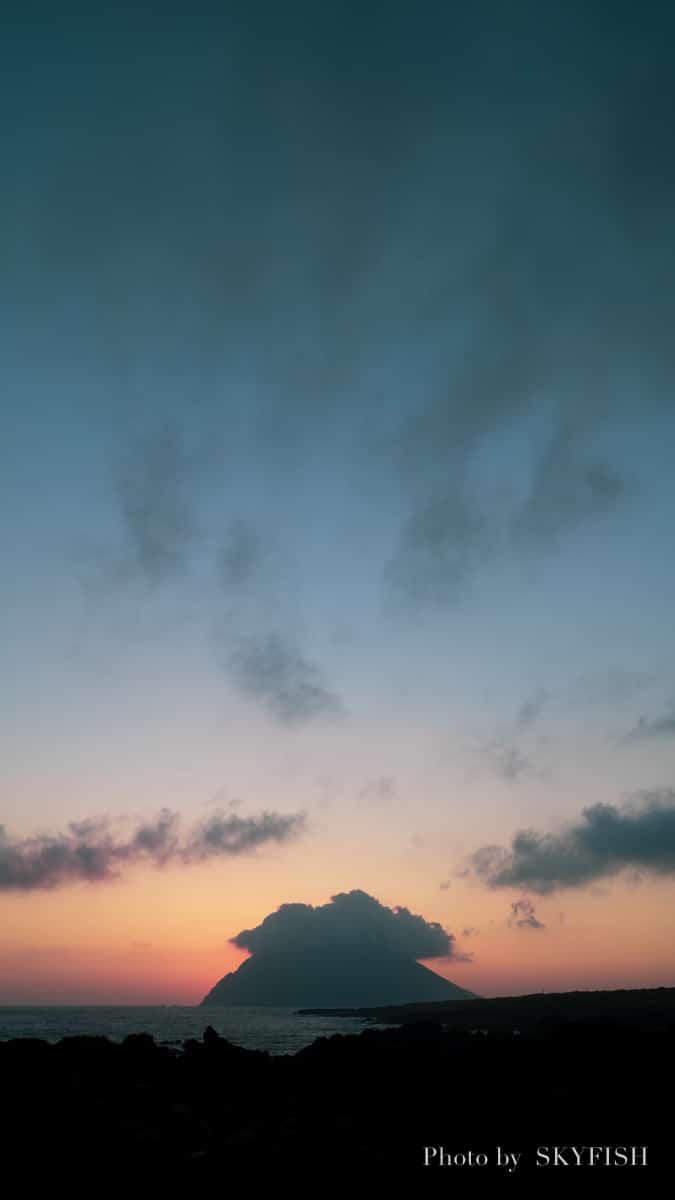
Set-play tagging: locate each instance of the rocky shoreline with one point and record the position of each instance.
(371, 1105)
(632, 1008)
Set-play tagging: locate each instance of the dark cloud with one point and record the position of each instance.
(470, 931)
(441, 542)
(531, 708)
(271, 670)
(350, 919)
(152, 486)
(540, 309)
(568, 489)
(459, 528)
(524, 916)
(158, 839)
(457, 956)
(243, 553)
(646, 729)
(607, 840)
(352, 950)
(470, 247)
(90, 850)
(226, 834)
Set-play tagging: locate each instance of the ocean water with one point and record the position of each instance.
(277, 1030)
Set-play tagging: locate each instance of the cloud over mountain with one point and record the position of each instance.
(349, 918)
(352, 950)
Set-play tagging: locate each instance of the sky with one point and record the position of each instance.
(336, 488)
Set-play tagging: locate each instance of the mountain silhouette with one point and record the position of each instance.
(352, 951)
(312, 979)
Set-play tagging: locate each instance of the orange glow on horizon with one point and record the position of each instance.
(163, 939)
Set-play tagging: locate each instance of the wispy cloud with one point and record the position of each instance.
(524, 916)
(568, 489)
(271, 670)
(243, 553)
(152, 486)
(616, 685)
(531, 709)
(440, 543)
(507, 760)
(649, 729)
(381, 789)
(90, 851)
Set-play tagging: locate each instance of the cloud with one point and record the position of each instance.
(440, 543)
(533, 241)
(606, 841)
(271, 670)
(523, 915)
(460, 521)
(351, 951)
(567, 489)
(612, 686)
(507, 760)
(152, 480)
(379, 790)
(90, 851)
(226, 834)
(351, 919)
(242, 555)
(647, 729)
(531, 708)
(501, 755)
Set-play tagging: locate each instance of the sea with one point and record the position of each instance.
(277, 1030)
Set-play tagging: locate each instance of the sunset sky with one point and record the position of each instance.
(337, 490)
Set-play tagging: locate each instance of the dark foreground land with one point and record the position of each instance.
(645, 1008)
(362, 1108)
